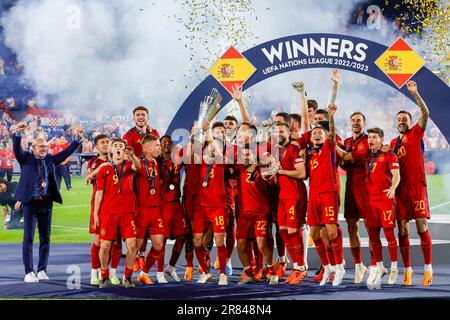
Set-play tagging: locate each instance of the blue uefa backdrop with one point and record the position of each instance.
(432, 89)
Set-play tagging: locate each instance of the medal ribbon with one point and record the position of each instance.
(172, 171)
(208, 172)
(370, 165)
(119, 174)
(150, 179)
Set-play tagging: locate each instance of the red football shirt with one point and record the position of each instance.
(380, 177)
(288, 157)
(173, 170)
(410, 153)
(8, 157)
(213, 195)
(114, 202)
(322, 169)
(252, 190)
(356, 170)
(92, 165)
(144, 197)
(133, 137)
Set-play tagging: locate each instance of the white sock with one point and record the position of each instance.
(113, 272)
(142, 273)
(427, 267)
(380, 265)
(408, 269)
(94, 273)
(282, 259)
(358, 265)
(393, 265)
(305, 235)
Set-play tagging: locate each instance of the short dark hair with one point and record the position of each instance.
(252, 126)
(99, 137)
(360, 113)
(286, 116)
(404, 111)
(282, 123)
(324, 124)
(165, 136)
(148, 138)
(322, 111)
(378, 131)
(296, 117)
(231, 118)
(313, 104)
(217, 124)
(118, 140)
(140, 108)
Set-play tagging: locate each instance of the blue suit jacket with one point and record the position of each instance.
(29, 171)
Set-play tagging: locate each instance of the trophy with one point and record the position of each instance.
(209, 107)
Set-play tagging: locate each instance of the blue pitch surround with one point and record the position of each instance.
(64, 255)
(432, 89)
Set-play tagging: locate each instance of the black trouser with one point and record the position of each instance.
(6, 172)
(63, 171)
(39, 211)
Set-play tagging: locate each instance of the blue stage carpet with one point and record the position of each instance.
(67, 256)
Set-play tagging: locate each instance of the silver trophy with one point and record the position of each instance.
(209, 107)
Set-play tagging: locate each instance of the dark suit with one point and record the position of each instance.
(37, 209)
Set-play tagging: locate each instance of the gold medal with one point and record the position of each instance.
(152, 191)
(172, 187)
(205, 184)
(43, 184)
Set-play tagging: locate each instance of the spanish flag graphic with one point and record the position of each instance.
(232, 68)
(400, 62)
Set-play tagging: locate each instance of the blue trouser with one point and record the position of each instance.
(63, 171)
(43, 217)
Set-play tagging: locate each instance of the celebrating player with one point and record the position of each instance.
(412, 198)
(116, 200)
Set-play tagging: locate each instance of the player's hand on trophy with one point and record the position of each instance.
(237, 92)
(332, 109)
(21, 127)
(336, 75)
(412, 86)
(299, 86)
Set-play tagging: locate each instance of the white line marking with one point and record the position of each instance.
(440, 205)
(72, 228)
(74, 206)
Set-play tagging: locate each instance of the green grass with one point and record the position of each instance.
(71, 220)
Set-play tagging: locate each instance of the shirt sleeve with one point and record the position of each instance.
(101, 179)
(393, 161)
(418, 131)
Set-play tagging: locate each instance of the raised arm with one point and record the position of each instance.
(335, 77)
(300, 87)
(237, 96)
(136, 163)
(332, 133)
(17, 143)
(423, 119)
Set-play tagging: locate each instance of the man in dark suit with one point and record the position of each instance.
(36, 191)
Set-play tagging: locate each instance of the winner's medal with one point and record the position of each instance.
(43, 184)
(152, 191)
(172, 187)
(205, 184)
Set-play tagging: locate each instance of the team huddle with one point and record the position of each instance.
(225, 186)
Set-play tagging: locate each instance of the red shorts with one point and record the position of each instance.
(323, 209)
(113, 224)
(205, 215)
(149, 219)
(291, 213)
(189, 206)
(173, 219)
(382, 213)
(412, 202)
(356, 204)
(252, 224)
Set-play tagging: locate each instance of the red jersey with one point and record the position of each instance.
(356, 170)
(213, 195)
(322, 170)
(252, 190)
(170, 175)
(133, 137)
(148, 178)
(7, 158)
(379, 166)
(410, 152)
(289, 157)
(109, 180)
(92, 165)
(305, 140)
